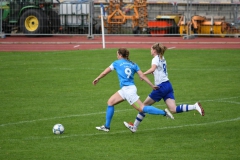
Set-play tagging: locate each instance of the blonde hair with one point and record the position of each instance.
(160, 48)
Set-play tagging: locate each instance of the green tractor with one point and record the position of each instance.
(29, 17)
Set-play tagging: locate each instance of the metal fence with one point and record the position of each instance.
(122, 17)
(46, 17)
(168, 18)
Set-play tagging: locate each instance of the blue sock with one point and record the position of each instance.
(153, 110)
(182, 108)
(109, 115)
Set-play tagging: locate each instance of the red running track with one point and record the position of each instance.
(60, 43)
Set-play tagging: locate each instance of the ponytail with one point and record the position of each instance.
(160, 48)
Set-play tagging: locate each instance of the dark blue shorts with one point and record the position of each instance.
(165, 91)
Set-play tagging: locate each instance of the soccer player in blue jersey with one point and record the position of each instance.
(165, 91)
(125, 70)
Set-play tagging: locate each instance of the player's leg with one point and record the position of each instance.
(140, 116)
(171, 105)
(180, 108)
(154, 96)
(113, 100)
(146, 109)
(183, 107)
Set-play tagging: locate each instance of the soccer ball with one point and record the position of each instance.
(58, 129)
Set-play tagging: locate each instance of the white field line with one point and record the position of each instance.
(126, 130)
(46, 119)
(89, 114)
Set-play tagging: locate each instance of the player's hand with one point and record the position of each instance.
(155, 87)
(95, 81)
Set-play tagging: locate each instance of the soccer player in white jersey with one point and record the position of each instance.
(125, 70)
(165, 91)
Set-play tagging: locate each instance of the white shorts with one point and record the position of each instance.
(129, 93)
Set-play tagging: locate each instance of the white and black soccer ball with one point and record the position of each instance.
(58, 129)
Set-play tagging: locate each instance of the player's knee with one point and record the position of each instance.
(172, 110)
(110, 103)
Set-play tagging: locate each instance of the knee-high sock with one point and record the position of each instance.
(139, 119)
(109, 115)
(153, 110)
(184, 108)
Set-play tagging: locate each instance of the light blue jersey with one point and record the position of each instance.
(125, 70)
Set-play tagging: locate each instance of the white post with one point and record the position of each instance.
(1, 18)
(102, 25)
(2, 34)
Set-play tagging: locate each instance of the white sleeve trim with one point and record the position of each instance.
(111, 67)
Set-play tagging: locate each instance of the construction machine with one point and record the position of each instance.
(117, 16)
(164, 24)
(202, 25)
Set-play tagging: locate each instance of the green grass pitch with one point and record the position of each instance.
(40, 89)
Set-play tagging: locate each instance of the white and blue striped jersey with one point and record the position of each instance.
(125, 70)
(160, 73)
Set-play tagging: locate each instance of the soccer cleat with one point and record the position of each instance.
(168, 113)
(103, 128)
(130, 126)
(199, 108)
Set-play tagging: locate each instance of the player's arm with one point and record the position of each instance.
(144, 77)
(103, 74)
(151, 70)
